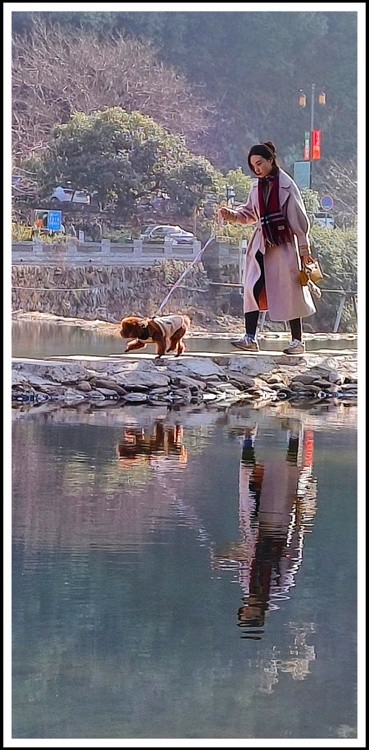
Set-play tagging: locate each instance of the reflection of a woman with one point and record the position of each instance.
(276, 501)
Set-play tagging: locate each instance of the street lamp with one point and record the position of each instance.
(312, 147)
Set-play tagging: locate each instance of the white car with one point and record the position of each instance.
(65, 195)
(158, 232)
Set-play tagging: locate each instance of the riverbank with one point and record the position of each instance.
(213, 323)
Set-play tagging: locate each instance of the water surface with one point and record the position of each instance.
(184, 573)
(39, 339)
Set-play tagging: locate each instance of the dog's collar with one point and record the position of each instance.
(145, 334)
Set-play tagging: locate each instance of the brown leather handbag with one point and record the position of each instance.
(311, 272)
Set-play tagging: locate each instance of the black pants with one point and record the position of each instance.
(251, 318)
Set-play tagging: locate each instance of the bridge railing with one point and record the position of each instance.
(106, 253)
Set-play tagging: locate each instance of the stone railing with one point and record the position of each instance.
(105, 253)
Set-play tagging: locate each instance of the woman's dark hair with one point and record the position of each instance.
(266, 150)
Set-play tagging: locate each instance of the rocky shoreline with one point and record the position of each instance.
(227, 379)
(237, 377)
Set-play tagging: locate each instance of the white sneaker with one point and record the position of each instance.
(246, 342)
(295, 347)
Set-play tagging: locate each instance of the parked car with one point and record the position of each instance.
(67, 194)
(158, 232)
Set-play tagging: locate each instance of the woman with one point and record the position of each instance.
(276, 251)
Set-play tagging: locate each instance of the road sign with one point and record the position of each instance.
(54, 221)
(47, 220)
(326, 202)
(301, 174)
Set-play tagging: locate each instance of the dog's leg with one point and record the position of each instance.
(176, 339)
(180, 348)
(160, 347)
(135, 344)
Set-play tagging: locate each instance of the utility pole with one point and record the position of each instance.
(312, 102)
(311, 156)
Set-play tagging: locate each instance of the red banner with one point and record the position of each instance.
(316, 144)
(307, 146)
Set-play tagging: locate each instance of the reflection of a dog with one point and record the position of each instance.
(166, 332)
(137, 445)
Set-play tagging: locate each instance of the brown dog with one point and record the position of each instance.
(166, 332)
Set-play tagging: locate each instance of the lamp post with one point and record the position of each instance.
(312, 150)
(229, 194)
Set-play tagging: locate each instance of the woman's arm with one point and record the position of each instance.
(242, 215)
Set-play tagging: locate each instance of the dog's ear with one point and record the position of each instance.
(126, 328)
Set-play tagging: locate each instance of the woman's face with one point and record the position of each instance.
(261, 166)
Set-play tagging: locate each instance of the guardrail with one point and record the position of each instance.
(345, 295)
(105, 253)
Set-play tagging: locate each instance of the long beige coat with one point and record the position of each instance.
(286, 298)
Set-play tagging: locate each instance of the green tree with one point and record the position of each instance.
(240, 182)
(337, 253)
(124, 157)
(311, 201)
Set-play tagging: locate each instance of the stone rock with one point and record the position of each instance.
(201, 367)
(110, 385)
(18, 377)
(238, 378)
(149, 379)
(84, 386)
(251, 365)
(306, 379)
(179, 380)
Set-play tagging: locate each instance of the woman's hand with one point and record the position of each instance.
(305, 259)
(227, 214)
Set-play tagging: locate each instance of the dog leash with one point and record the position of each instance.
(185, 272)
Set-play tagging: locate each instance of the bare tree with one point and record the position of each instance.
(56, 73)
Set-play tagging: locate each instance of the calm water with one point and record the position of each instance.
(184, 574)
(36, 339)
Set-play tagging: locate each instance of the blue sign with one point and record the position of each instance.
(326, 202)
(301, 174)
(54, 221)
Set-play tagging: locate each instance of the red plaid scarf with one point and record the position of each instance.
(276, 230)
